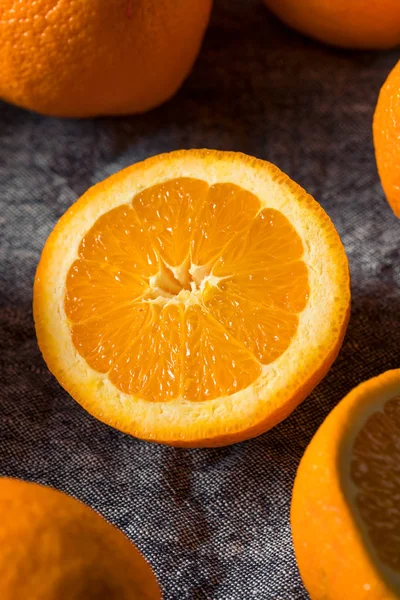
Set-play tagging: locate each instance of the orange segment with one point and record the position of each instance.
(168, 212)
(345, 507)
(270, 240)
(119, 239)
(104, 340)
(162, 302)
(215, 364)
(266, 331)
(284, 286)
(226, 210)
(97, 288)
(375, 470)
(150, 365)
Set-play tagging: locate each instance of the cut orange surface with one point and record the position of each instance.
(386, 129)
(193, 299)
(346, 498)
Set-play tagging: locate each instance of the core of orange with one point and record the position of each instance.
(347, 23)
(345, 506)
(386, 130)
(53, 547)
(97, 57)
(193, 299)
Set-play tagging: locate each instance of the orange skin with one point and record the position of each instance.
(79, 59)
(54, 547)
(333, 561)
(386, 129)
(346, 23)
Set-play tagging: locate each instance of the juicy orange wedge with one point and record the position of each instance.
(346, 498)
(192, 299)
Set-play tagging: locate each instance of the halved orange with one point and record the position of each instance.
(192, 299)
(346, 498)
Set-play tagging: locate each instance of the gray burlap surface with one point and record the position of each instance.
(213, 523)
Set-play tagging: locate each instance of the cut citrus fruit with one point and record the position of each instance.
(386, 129)
(346, 498)
(53, 546)
(193, 299)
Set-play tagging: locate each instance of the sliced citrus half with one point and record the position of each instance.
(193, 299)
(346, 498)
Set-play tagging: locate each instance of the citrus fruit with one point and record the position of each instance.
(347, 23)
(79, 59)
(192, 299)
(346, 498)
(386, 130)
(53, 546)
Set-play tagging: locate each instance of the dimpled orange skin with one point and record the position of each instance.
(386, 130)
(53, 546)
(71, 58)
(346, 23)
(330, 554)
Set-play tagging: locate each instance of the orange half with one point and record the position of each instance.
(346, 498)
(192, 299)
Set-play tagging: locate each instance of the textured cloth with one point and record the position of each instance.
(214, 524)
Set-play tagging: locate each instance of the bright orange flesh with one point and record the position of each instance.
(187, 291)
(375, 470)
(345, 511)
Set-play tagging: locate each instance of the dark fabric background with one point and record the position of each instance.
(213, 523)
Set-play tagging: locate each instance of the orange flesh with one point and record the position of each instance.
(187, 291)
(375, 470)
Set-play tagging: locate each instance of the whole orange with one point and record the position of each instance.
(78, 59)
(387, 138)
(347, 23)
(53, 547)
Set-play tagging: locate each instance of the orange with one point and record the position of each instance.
(53, 547)
(347, 23)
(192, 299)
(74, 58)
(346, 498)
(386, 130)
